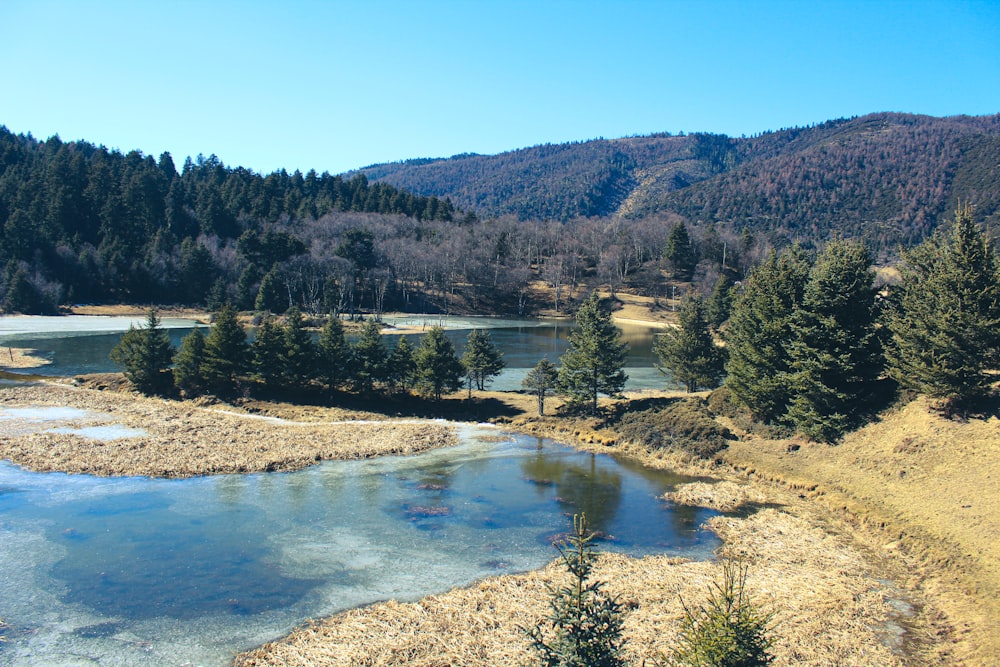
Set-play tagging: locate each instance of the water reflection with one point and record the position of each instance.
(192, 570)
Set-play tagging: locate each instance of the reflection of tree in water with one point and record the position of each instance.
(583, 487)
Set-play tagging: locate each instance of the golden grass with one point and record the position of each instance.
(21, 357)
(185, 439)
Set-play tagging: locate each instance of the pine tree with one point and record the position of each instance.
(268, 350)
(271, 295)
(299, 354)
(145, 355)
(482, 359)
(720, 302)
(585, 623)
(438, 367)
(946, 329)
(370, 356)
(540, 381)
(760, 326)
(595, 360)
(688, 352)
(226, 352)
(402, 364)
(188, 363)
(679, 252)
(334, 359)
(835, 352)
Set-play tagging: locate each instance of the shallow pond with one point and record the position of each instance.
(137, 571)
(80, 345)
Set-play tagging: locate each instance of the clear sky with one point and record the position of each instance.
(333, 86)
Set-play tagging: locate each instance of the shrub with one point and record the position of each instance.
(728, 630)
(685, 425)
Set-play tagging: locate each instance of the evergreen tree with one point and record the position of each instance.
(438, 368)
(370, 356)
(268, 350)
(680, 253)
(595, 360)
(299, 355)
(145, 354)
(402, 364)
(188, 363)
(835, 352)
(482, 359)
(585, 622)
(946, 329)
(226, 352)
(688, 352)
(760, 326)
(720, 302)
(540, 381)
(271, 295)
(334, 354)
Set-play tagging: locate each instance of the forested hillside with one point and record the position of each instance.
(888, 178)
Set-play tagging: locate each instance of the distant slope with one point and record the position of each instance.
(886, 177)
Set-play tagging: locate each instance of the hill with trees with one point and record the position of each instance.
(888, 178)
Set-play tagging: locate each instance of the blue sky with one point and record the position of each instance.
(339, 85)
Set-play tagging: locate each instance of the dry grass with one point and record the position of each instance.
(20, 357)
(923, 488)
(185, 439)
(724, 496)
(830, 609)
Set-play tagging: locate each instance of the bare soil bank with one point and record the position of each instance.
(186, 439)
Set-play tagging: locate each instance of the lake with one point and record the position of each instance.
(130, 571)
(78, 345)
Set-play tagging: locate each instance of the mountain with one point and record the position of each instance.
(886, 177)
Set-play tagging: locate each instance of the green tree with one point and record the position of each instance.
(946, 328)
(760, 326)
(482, 359)
(188, 361)
(299, 355)
(584, 622)
(271, 295)
(402, 364)
(595, 360)
(679, 252)
(728, 630)
(370, 356)
(226, 352)
(720, 302)
(540, 381)
(145, 354)
(268, 350)
(334, 359)
(688, 352)
(836, 356)
(438, 367)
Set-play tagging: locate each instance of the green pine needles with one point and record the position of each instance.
(727, 630)
(584, 623)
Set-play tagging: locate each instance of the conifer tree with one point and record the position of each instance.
(226, 352)
(679, 252)
(595, 360)
(370, 356)
(271, 294)
(482, 359)
(688, 352)
(946, 328)
(836, 356)
(299, 353)
(145, 355)
(188, 363)
(760, 326)
(438, 368)
(402, 364)
(585, 623)
(334, 359)
(720, 302)
(540, 381)
(268, 350)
